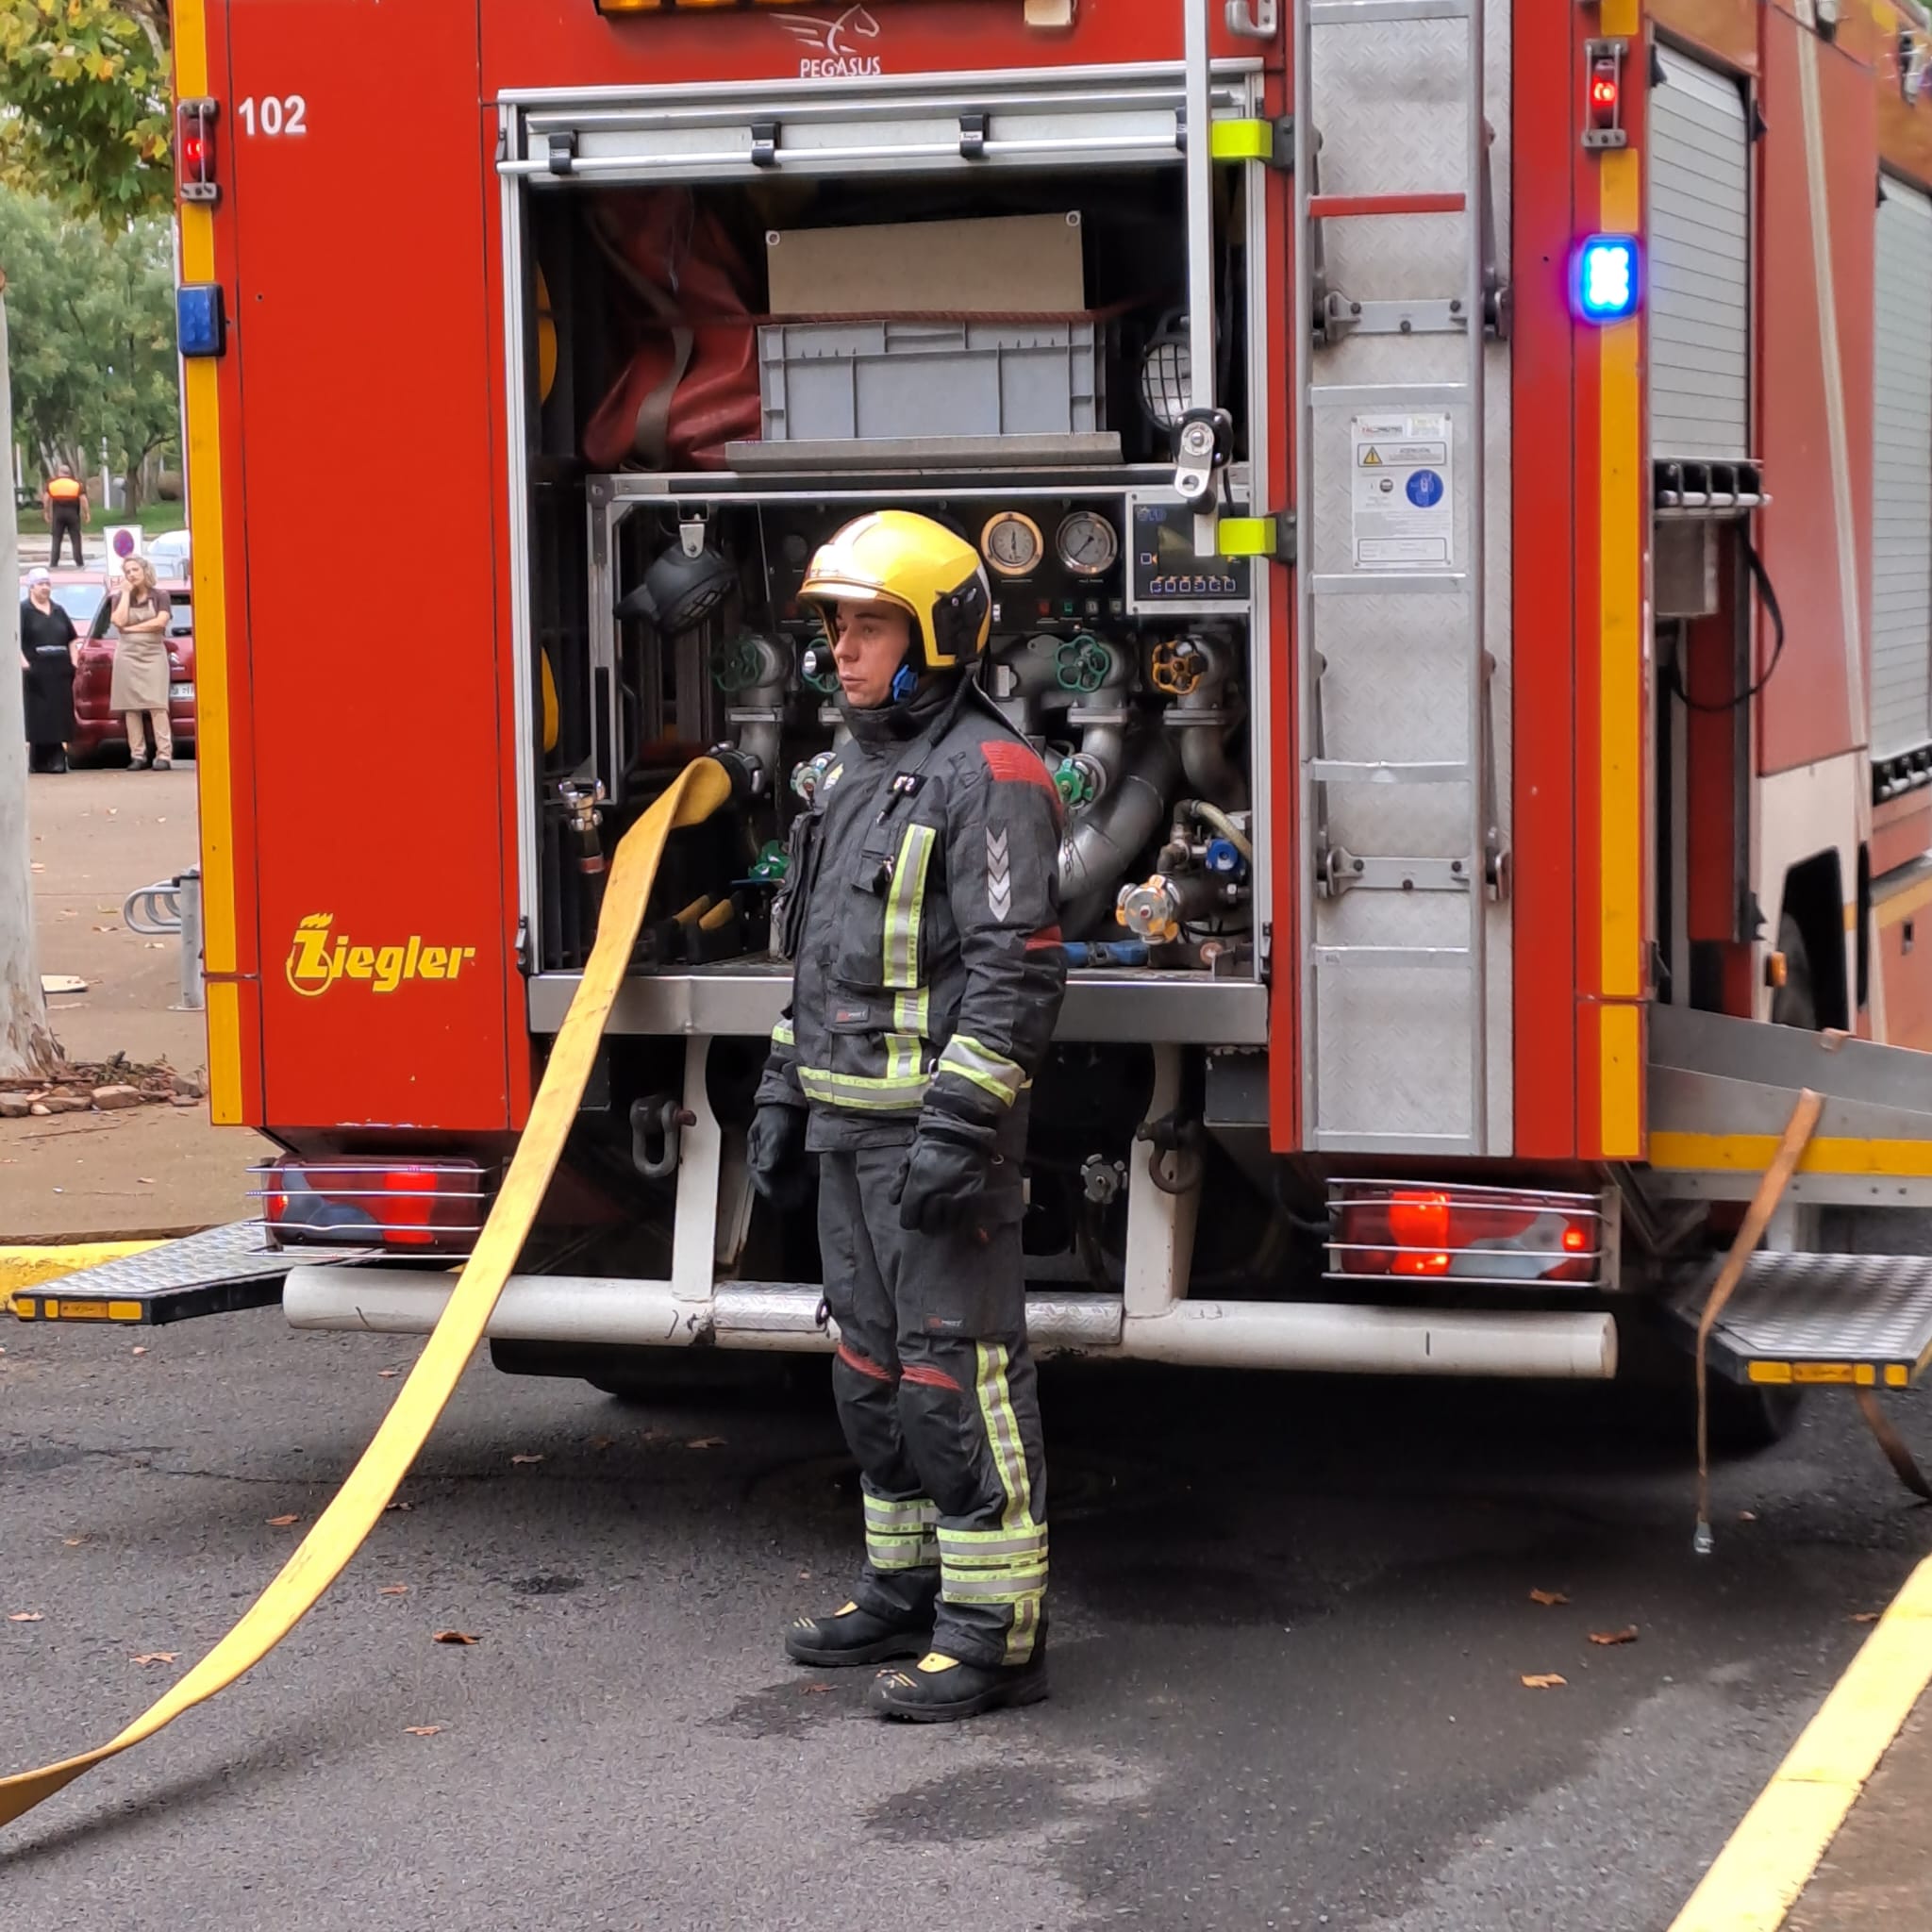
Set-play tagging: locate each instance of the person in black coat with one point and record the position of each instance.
(49, 655)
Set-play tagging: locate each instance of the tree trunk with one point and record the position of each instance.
(26, 1041)
(132, 485)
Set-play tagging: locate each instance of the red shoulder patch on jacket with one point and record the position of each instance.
(1011, 762)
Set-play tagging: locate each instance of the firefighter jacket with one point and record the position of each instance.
(919, 910)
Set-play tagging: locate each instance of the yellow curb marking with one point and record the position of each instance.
(28, 1267)
(1771, 1857)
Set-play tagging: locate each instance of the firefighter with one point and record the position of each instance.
(920, 912)
(65, 502)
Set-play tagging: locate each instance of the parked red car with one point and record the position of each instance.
(96, 726)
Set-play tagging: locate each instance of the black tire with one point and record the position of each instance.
(1747, 1417)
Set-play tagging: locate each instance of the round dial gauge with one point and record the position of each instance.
(1012, 544)
(1087, 543)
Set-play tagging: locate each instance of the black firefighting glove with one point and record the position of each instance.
(944, 1172)
(781, 1170)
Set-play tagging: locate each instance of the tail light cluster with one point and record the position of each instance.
(1500, 1236)
(431, 1207)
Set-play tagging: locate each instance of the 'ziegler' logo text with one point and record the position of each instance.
(315, 964)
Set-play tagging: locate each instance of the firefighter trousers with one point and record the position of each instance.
(938, 1399)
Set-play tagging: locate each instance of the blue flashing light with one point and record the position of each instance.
(1607, 277)
(201, 324)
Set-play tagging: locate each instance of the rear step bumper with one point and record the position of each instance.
(213, 1273)
(1333, 1338)
(1861, 1321)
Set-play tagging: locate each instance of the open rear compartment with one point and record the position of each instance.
(716, 370)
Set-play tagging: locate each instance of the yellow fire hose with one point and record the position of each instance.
(339, 1531)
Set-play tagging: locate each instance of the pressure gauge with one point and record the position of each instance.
(1087, 543)
(1012, 544)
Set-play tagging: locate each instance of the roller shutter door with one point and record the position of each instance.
(1902, 502)
(1700, 264)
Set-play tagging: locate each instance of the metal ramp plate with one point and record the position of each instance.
(209, 1273)
(1860, 1320)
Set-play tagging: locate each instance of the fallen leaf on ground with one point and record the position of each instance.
(1627, 1635)
(422, 1730)
(155, 945)
(138, 1351)
(804, 1577)
(1548, 1596)
(1866, 1616)
(526, 1458)
(818, 1690)
(156, 1657)
(282, 1521)
(147, 1180)
(1548, 1680)
(706, 1442)
(394, 1589)
(454, 1637)
(389, 1374)
(387, 1507)
(26, 1616)
(1747, 1516)
(73, 1542)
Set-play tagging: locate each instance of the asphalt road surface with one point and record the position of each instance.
(1290, 1623)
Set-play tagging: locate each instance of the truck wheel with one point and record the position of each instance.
(1747, 1417)
(1794, 1004)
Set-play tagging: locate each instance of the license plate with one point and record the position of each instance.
(181, 694)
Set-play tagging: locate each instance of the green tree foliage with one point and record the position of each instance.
(92, 308)
(84, 102)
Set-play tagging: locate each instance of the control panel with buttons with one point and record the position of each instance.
(1163, 573)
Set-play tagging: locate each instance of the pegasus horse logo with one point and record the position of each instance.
(836, 48)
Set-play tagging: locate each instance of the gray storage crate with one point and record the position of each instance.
(843, 379)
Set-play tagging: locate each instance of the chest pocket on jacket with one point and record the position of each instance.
(878, 942)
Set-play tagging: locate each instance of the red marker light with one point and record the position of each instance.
(194, 151)
(1603, 93)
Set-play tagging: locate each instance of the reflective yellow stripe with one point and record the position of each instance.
(881, 1512)
(911, 1012)
(971, 1545)
(783, 1035)
(905, 904)
(201, 407)
(993, 1072)
(900, 1094)
(1003, 1434)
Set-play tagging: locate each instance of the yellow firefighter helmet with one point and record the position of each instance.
(893, 556)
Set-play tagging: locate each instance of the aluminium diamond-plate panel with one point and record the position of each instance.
(1391, 1050)
(1825, 1308)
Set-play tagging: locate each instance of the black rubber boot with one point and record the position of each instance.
(851, 1636)
(939, 1690)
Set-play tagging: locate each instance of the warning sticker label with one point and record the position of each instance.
(1404, 507)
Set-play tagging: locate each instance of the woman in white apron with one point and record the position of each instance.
(141, 665)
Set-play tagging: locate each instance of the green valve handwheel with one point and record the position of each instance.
(1074, 783)
(735, 663)
(1081, 663)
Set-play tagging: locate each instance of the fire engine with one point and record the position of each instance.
(1456, 477)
